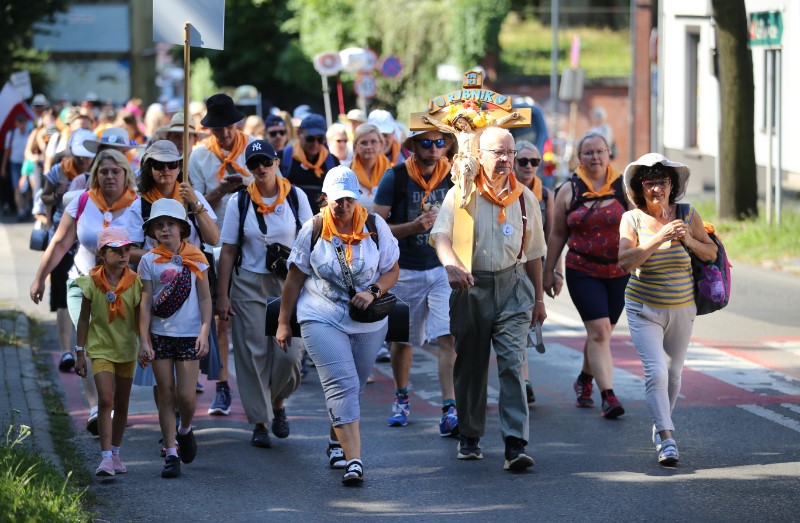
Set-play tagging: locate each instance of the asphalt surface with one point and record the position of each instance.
(737, 421)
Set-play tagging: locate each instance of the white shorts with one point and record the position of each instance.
(428, 296)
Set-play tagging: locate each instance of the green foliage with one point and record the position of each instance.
(32, 489)
(476, 27)
(17, 19)
(202, 80)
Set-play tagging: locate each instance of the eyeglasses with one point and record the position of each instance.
(598, 152)
(499, 153)
(278, 132)
(159, 166)
(652, 184)
(523, 162)
(255, 162)
(427, 144)
(319, 139)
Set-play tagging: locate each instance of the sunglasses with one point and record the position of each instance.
(254, 163)
(279, 132)
(427, 144)
(319, 139)
(159, 166)
(523, 162)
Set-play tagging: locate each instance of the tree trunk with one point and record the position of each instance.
(738, 185)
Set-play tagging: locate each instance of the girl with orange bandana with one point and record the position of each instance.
(107, 333)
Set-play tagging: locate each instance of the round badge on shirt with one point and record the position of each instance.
(280, 209)
(336, 241)
(107, 217)
(111, 297)
(508, 230)
(177, 260)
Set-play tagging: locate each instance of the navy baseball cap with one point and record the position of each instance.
(314, 125)
(259, 148)
(273, 120)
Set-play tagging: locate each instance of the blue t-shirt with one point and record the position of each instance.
(415, 252)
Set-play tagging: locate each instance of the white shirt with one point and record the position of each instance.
(88, 227)
(324, 297)
(136, 221)
(186, 322)
(16, 142)
(203, 167)
(280, 224)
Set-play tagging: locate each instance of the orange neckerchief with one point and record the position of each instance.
(441, 170)
(115, 307)
(537, 187)
(300, 155)
(329, 228)
(68, 168)
(124, 201)
(190, 255)
(370, 181)
(611, 176)
(395, 152)
(154, 194)
(486, 190)
(284, 186)
(239, 144)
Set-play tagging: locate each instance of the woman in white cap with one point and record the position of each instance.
(659, 299)
(343, 242)
(107, 202)
(264, 217)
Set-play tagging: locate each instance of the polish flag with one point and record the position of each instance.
(11, 105)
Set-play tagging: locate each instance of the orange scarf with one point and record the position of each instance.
(487, 191)
(68, 168)
(441, 170)
(395, 152)
(370, 181)
(611, 176)
(283, 189)
(329, 228)
(537, 187)
(115, 307)
(239, 144)
(300, 155)
(190, 255)
(124, 201)
(154, 194)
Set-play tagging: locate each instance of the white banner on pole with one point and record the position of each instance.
(206, 16)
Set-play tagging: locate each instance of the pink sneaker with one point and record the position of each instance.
(119, 466)
(106, 468)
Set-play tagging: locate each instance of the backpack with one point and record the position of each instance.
(286, 161)
(712, 280)
(244, 199)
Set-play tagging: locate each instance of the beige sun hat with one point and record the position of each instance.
(175, 125)
(166, 207)
(649, 160)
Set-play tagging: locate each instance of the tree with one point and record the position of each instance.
(17, 25)
(738, 187)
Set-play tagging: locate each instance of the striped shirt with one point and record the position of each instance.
(665, 279)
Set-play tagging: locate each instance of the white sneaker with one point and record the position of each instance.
(667, 452)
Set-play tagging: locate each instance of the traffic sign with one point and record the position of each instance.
(328, 64)
(766, 28)
(365, 85)
(391, 67)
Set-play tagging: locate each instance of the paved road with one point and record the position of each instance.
(738, 427)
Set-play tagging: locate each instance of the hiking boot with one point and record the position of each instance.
(516, 459)
(469, 448)
(448, 426)
(336, 456)
(668, 452)
(401, 408)
(106, 468)
(354, 473)
(221, 406)
(187, 446)
(280, 425)
(583, 389)
(172, 467)
(261, 438)
(612, 408)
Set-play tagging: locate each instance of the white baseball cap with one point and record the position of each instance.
(77, 143)
(341, 182)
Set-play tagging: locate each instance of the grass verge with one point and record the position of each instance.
(753, 241)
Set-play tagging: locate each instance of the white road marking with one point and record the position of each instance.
(771, 415)
(790, 406)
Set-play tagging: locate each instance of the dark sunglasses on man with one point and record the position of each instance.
(523, 162)
(255, 162)
(159, 166)
(319, 139)
(277, 132)
(427, 144)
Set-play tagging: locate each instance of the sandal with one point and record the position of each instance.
(336, 455)
(354, 474)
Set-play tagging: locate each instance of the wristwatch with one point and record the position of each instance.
(375, 290)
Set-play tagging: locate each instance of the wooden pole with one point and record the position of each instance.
(186, 115)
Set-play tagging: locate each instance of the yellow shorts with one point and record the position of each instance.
(124, 369)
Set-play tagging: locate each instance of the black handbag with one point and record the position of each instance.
(273, 311)
(277, 254)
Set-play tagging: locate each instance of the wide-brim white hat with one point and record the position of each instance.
(649, 160)
(115, 137)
